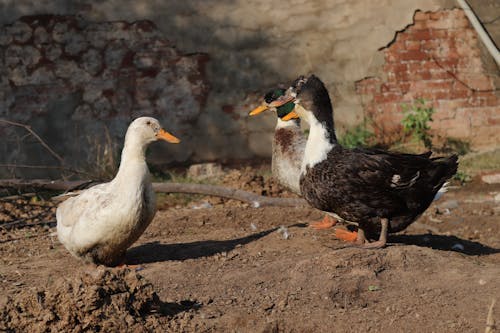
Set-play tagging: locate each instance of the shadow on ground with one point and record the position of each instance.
(157, 252)
(445, 243)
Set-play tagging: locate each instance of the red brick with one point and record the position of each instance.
(420, 25)
(458, 13)
(448, 64)
(436, 15)
(460, 23)
(384, 87)
(440, 24)
(460, 93)
(420, 16)
(430, 44)
(368, 85)
(437, 95)
(404, 87)
(443, 113)
(412, 45)
(493, 121)
(439, 34)
(422, 75)
(489, 100)
(413, 55)
(479, 82)
(402, 75)
(422, 35)
(439, 74)
(452, 104)
(485, 136)
(445, 85)
(390, 57)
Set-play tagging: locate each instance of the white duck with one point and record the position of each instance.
(100, 224)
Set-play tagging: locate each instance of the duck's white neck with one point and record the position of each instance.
(288, 123)
(133, 156)
(319, 143)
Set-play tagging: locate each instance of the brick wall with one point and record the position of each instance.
(437, 58)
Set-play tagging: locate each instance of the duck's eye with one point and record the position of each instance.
(148, 123)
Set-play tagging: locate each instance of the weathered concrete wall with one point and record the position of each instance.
(78, 85)
(253, 45)
(437, 58)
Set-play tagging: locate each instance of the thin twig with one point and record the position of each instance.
(42, 142)
(221, 191)
(19, 196)
(26, 166)
(22, 224)
(26, 237)
(205, 189)
(490, 321)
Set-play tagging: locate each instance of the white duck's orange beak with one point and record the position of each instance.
(164, 135)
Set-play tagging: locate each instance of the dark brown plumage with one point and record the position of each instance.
(371, 187)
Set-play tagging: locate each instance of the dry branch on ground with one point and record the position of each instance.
(213, 190)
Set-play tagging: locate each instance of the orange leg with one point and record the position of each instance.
(326, 223)
(348, 236)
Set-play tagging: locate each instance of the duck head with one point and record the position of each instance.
(312, 100)
(147, 130)
(277, 100)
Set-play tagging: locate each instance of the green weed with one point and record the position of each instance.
(358, 136)
(417, 117)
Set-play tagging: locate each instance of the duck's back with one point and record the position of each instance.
(365, 184)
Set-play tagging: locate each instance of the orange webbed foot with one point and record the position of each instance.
(345, 235)
(326, 223)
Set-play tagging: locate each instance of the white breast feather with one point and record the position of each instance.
(318, 144)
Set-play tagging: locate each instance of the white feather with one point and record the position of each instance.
(441, 191)
(318, 144)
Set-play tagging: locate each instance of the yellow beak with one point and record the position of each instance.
(259, 109)
(291, 115)
(164, 135)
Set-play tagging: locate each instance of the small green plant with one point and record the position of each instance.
(458, 146)
(417, 117)
(358, 136)
(462, 177)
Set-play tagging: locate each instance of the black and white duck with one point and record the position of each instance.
(289, 144)
(101, 222)
(380, 191)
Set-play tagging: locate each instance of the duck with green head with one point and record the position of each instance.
(288, 145)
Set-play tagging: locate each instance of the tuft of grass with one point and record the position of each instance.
(103, 158)
(358, 136)
(473, 164)
(457, 146)
(462, 177)
(417, 117)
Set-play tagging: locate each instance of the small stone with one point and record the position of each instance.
(492, 178)
(204, 171)
(458, 247)
(449, 204)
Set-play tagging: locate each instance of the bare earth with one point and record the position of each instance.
(227, 267)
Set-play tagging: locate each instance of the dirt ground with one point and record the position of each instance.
(213, 265)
